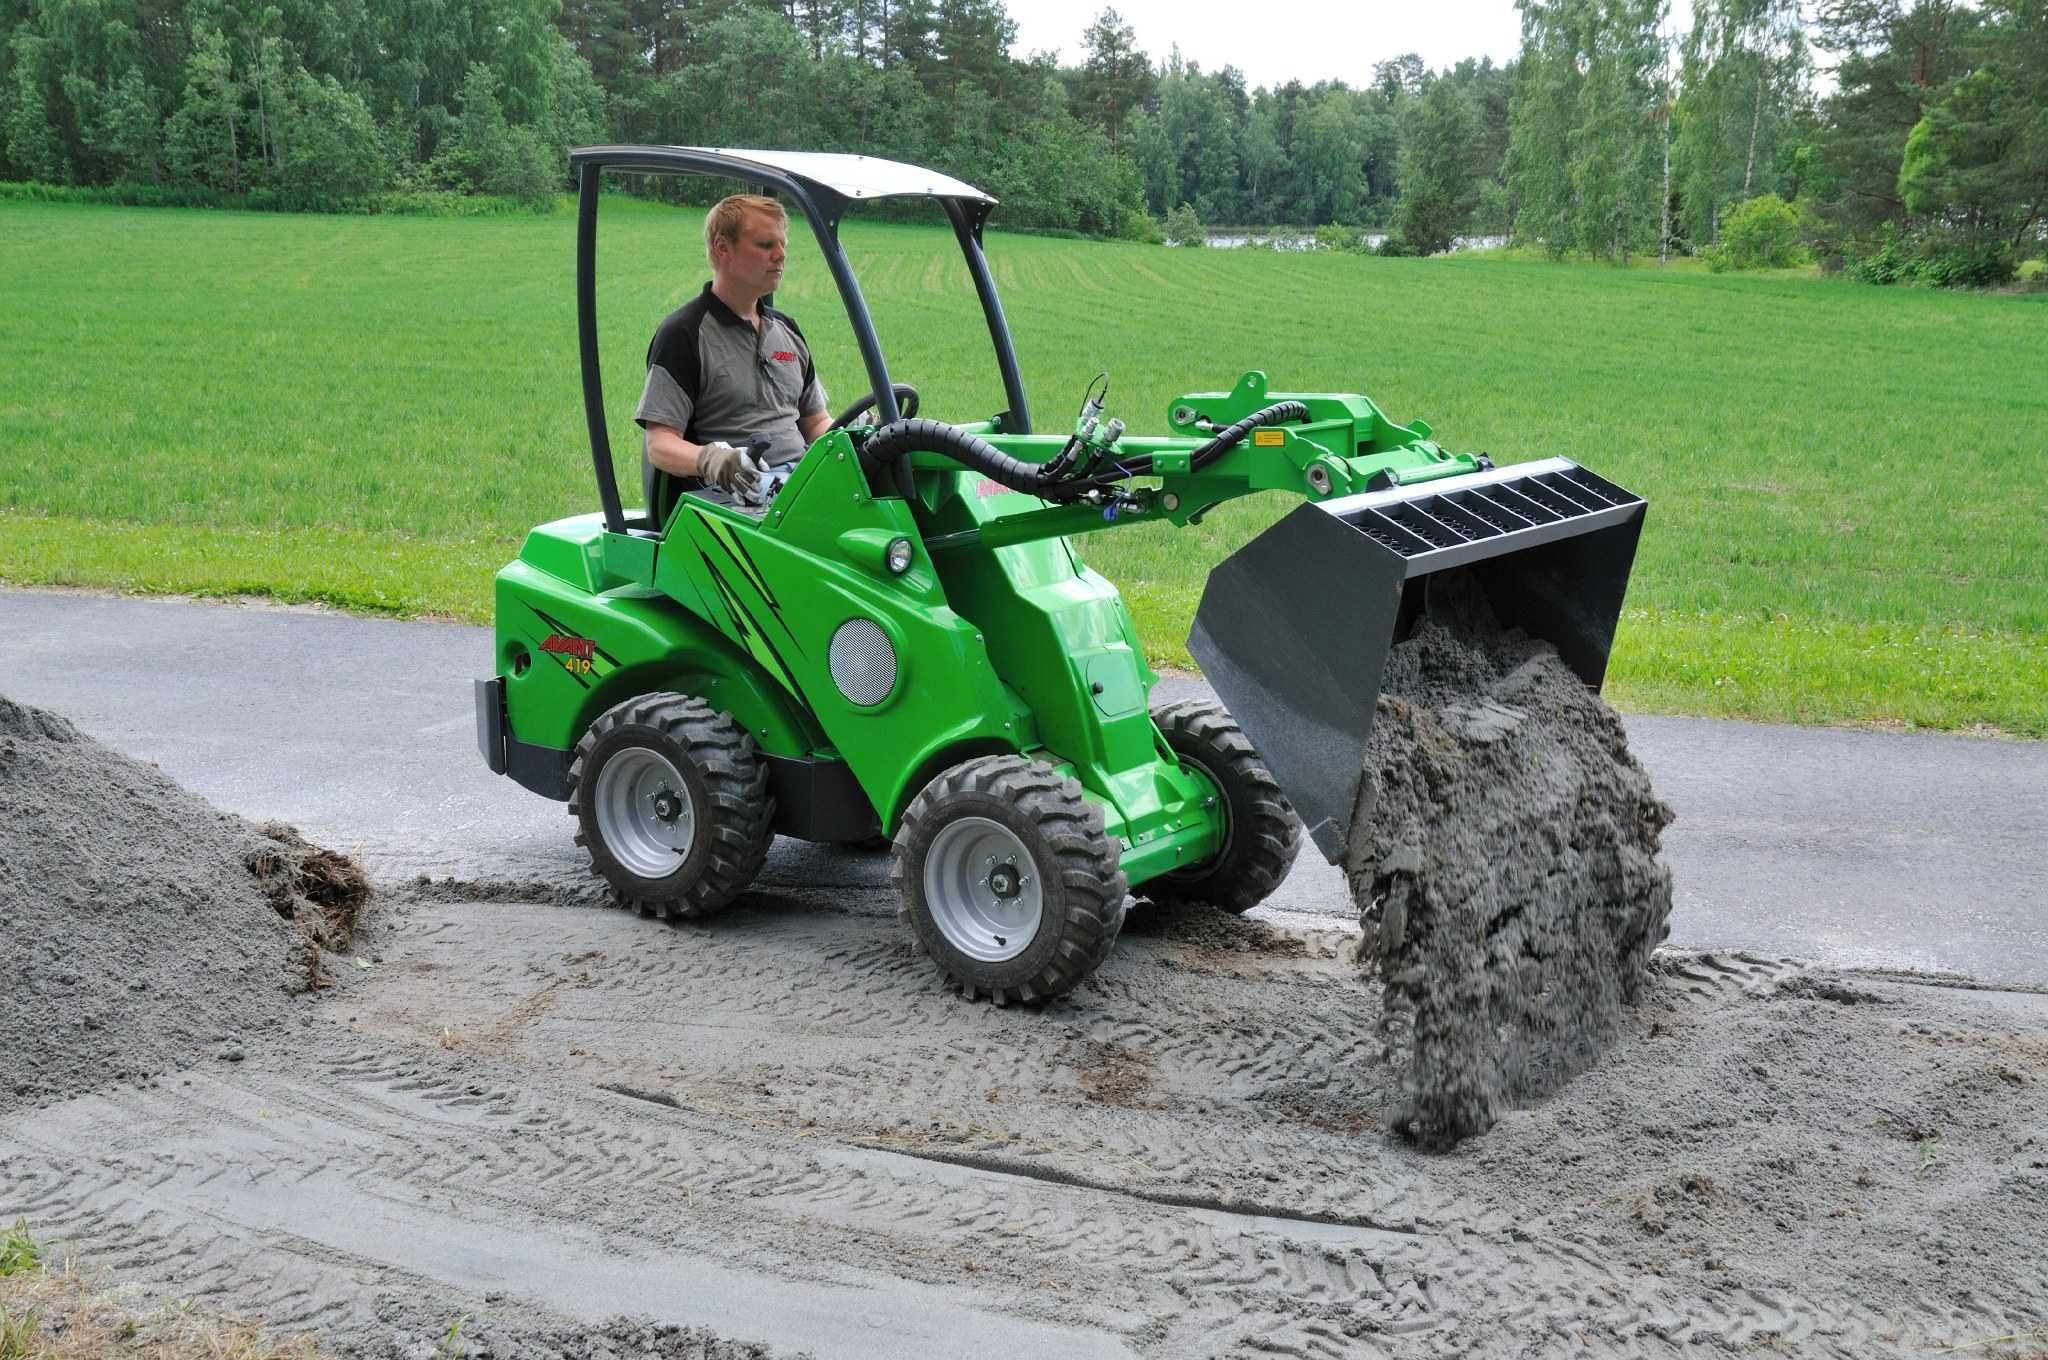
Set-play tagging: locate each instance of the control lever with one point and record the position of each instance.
(768, 480)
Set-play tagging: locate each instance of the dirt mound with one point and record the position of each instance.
(1505, 865)
(141, 928)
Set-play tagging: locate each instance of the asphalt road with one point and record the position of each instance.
(1857, 849)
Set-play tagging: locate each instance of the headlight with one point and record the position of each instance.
(900, 555)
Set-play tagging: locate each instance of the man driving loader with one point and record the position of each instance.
(726, 370)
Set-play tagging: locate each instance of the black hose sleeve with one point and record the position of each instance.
(892, 442)
(1226, 440)
(1223, 443)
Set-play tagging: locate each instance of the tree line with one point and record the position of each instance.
(1607, 136)
(1928, 157)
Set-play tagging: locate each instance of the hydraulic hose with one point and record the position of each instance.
(1229, 439)
(892, 442)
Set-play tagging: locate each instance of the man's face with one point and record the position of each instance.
(753, 261)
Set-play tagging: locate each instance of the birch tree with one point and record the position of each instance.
(1745, 72)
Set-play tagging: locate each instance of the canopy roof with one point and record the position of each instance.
(839, 173)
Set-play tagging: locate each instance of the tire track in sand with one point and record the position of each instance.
(392, 1167)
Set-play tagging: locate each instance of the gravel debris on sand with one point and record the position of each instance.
(143, 930)
(1504, 860)
(1201, 926)
(621, 1338)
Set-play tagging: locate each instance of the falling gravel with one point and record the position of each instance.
(1506, 871)
(143, 930)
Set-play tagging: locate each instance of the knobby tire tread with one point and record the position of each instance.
(1265, 835)
(1088, 865)
(739, 816)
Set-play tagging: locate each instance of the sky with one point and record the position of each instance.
(1281, 40)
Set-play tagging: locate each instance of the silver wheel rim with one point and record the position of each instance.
(982, 889)
(645, 813)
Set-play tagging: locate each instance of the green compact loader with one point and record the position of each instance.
(903, 642)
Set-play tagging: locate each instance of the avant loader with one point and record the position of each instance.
(902, 641)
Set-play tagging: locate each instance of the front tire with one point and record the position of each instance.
(671, 800)
(1261, 833)
(1008, 880)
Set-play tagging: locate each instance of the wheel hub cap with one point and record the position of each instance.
(982, 889)
(644, 813)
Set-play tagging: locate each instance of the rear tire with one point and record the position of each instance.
(1008, 880)
(671, 800)
(1261, 832)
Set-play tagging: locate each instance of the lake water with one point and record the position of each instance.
(1306, 241)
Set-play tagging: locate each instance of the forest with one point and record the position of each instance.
(1902, 139)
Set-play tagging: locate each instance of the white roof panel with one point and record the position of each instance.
(856, 176)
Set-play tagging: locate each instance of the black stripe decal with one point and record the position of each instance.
(747, 627)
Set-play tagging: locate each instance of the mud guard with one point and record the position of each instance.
(1294, 629)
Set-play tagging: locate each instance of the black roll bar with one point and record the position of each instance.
(586, 337)
(822, 207)
(967, 229)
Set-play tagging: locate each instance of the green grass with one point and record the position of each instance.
(18, 1251)
(1849, 517)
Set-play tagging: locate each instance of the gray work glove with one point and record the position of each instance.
(721, 465)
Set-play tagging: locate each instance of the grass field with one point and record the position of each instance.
(1848, 485)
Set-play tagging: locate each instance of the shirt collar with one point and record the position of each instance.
(717, 307)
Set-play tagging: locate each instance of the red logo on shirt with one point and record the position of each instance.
(783, 356)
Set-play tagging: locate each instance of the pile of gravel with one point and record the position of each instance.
(141, 928)
(1504, 861)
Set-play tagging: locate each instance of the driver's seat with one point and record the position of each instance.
(660, 491)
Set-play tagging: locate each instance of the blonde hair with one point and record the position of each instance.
(722, 223)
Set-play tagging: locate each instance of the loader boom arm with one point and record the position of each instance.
(1345, 447)
(1546, 545)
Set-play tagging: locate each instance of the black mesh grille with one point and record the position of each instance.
(1535, 511)
(1592, 483)
(1389, 533)
(1446, 510)
(1423, 527)
(1555, 498)
(1495, 510)
(1489, 511)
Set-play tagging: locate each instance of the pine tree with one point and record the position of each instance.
(1897, 57)
(1116, 77)
(1437, 167)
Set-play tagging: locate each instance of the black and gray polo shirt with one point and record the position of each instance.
(712, 376)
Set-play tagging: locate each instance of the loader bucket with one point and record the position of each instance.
(1294, 629)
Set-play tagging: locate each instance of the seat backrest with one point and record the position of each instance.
(662, 490)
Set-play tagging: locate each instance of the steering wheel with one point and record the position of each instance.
(906, 402)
